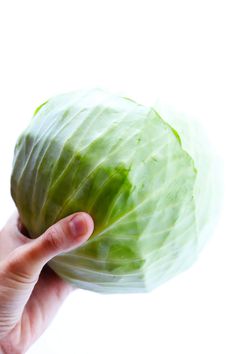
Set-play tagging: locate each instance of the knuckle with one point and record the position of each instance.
(53, 239)
(13, 262)
(16, 268)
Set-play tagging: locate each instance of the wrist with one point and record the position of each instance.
(7, 347)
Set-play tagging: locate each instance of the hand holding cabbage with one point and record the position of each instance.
(30, 296)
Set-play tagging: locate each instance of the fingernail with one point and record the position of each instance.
(78, 225)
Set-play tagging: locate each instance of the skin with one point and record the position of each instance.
(30, 292)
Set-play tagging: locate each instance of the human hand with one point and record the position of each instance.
(30, 292)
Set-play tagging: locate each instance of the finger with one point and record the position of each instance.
(27, 261)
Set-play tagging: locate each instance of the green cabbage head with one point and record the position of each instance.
(149, 186)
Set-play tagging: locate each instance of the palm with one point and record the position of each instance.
(46, 298)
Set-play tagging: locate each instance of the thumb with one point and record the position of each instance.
(26, 262)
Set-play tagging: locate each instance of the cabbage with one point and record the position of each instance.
(149, 187)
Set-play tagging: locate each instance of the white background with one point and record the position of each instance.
(181, 53)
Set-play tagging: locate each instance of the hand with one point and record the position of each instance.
(30, 296)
